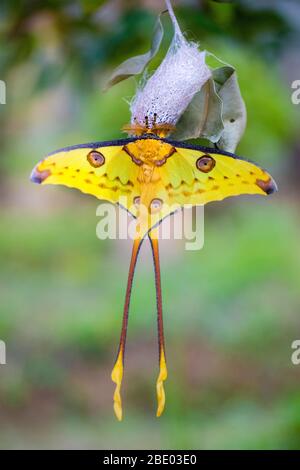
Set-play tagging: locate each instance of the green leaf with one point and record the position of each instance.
(203, 116)
(234, 113)
(217, 112)
(136, 65)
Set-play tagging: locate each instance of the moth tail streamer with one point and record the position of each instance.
(118, 369)
(163, 373)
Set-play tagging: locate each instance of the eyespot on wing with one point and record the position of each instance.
(205, 163)
(95, 159)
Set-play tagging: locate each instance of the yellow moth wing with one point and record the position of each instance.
(112, 176)
(157, 174)
(226, 175)
(177, 170)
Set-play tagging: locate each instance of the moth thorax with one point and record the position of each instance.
(149, 151)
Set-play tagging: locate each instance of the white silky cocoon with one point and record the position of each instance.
(168, 92)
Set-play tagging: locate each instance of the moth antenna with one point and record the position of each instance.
(117, 372)
(163, 373)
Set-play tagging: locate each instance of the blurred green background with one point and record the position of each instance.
(231, 310)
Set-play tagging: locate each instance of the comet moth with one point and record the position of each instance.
(151, 174)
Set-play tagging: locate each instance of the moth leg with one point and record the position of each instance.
(117, 372)
(163, 373)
